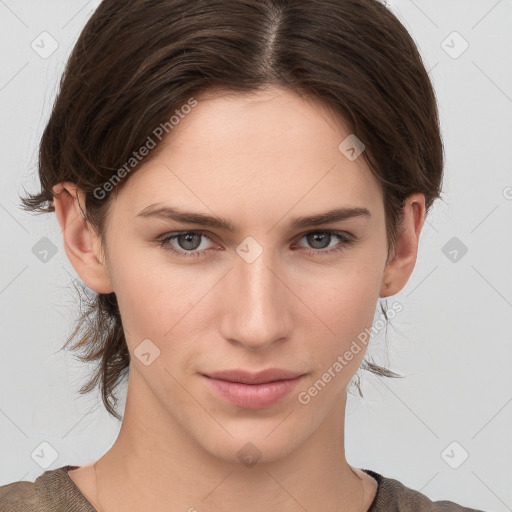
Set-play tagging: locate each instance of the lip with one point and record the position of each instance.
(253, 390)
(262, 377)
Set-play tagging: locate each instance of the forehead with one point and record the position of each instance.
(267, 150)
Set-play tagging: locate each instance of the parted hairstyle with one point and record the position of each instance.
(137, 63)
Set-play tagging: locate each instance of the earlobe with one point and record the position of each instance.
(403, 255)
(81, 243)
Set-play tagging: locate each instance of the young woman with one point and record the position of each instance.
(238, 182)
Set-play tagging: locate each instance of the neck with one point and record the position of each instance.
(155, 465)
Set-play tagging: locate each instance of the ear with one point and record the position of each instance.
(81, 243)
(403, 256)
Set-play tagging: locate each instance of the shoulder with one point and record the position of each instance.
(393, 496)
(53, 491)
(19, 497)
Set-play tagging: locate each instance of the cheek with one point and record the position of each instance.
(158, 301)
(346, 304)
(335, 354)
(141, 292)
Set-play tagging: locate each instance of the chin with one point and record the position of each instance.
(250, 449)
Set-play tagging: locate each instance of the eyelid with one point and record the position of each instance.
(166, 238)
(346, 239)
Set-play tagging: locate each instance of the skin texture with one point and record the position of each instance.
(259, 160)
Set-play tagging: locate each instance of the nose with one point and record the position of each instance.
(257, 302)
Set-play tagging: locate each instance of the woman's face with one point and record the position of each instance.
(271, 293)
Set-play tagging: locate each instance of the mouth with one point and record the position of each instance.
(253, 390)
(262, 377)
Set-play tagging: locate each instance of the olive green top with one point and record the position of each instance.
(54, 491)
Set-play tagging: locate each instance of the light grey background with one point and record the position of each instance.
(452, 340)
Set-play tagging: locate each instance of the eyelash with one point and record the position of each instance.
(345, 238)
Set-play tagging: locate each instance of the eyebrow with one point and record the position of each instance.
(171, 213)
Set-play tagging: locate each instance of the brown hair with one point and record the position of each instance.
(138, 62)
